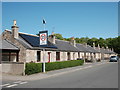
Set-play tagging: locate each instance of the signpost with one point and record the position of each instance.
(43, 42)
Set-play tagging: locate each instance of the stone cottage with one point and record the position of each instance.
(26, 48)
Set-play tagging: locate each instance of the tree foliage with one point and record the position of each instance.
(59, 36)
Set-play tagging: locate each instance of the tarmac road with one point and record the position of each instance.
(100, 75)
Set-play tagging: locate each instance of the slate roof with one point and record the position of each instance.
(81, 47)
(8, 45)
(102, 50)
(65, 45)
(92, 49)
(33, 41)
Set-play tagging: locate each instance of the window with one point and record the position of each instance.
(57, 55)
(49, 54)
(9, 56)
(5, 56)
(38, 56)
(68, 55)
(78, 54)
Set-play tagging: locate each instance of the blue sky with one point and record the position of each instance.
(78, 19)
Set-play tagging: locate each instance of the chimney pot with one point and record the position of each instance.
(14, 23)
(51, 38)
(15, 29)
(72, 41)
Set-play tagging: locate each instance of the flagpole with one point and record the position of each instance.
(43, 51)
(44, 27)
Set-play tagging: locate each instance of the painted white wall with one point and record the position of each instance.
(82, 55)
(63, 56)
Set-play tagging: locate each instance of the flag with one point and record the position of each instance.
(44, 22)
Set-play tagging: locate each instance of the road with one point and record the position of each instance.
(95, 76)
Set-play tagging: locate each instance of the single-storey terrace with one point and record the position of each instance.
(28, 48)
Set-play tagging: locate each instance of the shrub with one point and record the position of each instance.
(63, 64)
(32, 68)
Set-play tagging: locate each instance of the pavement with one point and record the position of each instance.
(6, 77)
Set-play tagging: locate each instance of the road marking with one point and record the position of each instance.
(12, 85)
(4, 85)
(23, 82)
(17, 82)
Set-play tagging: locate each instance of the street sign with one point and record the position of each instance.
(43, 37)
(43, 42)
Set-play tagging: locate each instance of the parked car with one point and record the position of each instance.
(114, 58)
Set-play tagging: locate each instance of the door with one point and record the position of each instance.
(48, 57)
(68, 55)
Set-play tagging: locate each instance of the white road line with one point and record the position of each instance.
(17, 82)
(23, 82)
(4, 85)
(12, 85)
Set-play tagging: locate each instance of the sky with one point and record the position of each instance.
(71, 19)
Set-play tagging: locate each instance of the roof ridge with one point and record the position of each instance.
(62, 40)
(23, 33)
(28, 34)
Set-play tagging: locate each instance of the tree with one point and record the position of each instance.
(102, 43)
(91, 41)
(116, 44)
(58, 36)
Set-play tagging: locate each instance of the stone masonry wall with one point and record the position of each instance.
(31, 55)
(22, 54)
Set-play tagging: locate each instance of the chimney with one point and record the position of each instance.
(72, 41)
(15, 29)
(51, 38)
(94, 45)
(98, 46)
(107, 48)
(112, 50)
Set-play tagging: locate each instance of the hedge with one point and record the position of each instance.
(32, 68)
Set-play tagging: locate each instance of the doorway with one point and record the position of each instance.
(49, 56)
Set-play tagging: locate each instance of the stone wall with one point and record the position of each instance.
(63, 56)
(22, 54)
(52, 56)
(98, 56)
(31, 55)
(13, 68)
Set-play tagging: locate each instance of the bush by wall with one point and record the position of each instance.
(32, 68)
(63, 64)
